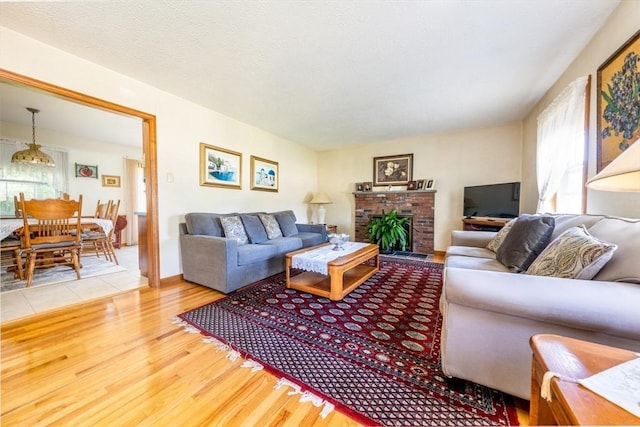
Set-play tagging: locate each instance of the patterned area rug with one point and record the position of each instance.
(374, 355)
(91, 266)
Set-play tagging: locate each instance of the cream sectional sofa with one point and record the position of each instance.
(489, 313)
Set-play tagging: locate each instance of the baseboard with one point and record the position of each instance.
(171, 280)
(439, 253)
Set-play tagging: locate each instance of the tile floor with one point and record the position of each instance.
(24, 302)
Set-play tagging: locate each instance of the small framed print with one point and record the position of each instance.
(359, 186)
(412, 185)
(264, 174)
(220, 167)
(86, 171)
(366, 186)
(431, 184)
(110, 181)
(421, 184)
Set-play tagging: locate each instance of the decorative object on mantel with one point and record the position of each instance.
(33, 155)
(412, 185)
(421, 184)
(321, 199)
(367, 186)
(622, 174)
(393, 170)
(618, 102)
(431, 184)
(359, 186)
(86, 171)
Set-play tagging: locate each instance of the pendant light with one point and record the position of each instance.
(33, 155)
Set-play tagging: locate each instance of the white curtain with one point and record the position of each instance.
(132, 177)
(560, 126)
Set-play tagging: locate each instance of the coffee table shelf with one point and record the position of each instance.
(345, 274)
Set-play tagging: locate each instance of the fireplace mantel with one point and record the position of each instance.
(419, 203)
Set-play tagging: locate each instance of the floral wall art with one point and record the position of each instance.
(619, 101)
(393, 170)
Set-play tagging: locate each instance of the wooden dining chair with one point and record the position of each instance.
(11, 256)
(97, 241)
(51, 233)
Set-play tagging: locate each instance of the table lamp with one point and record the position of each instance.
(622, 174)
(321, 199)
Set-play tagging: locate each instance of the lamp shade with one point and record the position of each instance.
(320, 199)
(622, 174)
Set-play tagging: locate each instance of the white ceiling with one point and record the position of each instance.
(331, 73)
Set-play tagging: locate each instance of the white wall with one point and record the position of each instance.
(181, 126)
(620, 26)
(108, 157)
(454, 160)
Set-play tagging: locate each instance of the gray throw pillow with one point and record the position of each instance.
(254, 228)
(287, 224)
(528, 236)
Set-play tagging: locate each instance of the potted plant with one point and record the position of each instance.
(387, 231)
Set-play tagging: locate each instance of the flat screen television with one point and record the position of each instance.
(492, 201)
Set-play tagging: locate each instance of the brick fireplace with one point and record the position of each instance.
(419, 205)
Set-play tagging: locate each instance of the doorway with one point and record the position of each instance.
(149, 241)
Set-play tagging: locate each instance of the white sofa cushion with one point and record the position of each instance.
(575, 254)
(471, 251)
(624, 266)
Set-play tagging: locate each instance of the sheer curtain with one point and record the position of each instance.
(133, 173)
(560, 127)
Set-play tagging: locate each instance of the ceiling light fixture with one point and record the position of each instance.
(33, 155)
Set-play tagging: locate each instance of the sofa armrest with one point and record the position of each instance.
(478, 239)
(313, 228)
(591, 305)
(207, 260)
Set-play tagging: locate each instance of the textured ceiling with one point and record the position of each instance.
(331, 73)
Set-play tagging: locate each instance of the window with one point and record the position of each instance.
(560, 155)
(39, 182)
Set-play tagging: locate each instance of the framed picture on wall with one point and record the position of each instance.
(618, 101)
(220, 167)
(86, 171)
(264, 174)
(110, 181)
(393, 170)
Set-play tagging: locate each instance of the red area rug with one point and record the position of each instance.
(374, 355)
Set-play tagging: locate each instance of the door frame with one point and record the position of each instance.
(149, 150)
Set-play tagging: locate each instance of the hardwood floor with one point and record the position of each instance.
(121, 361)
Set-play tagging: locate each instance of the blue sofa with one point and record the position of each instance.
(212, 259)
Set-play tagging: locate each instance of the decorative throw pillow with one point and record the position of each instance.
(271, 226)
(575, 254)
(497, 240)
(528, 236)
(233, 229)
(287, 224)
(254, 228)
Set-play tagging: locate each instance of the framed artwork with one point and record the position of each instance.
(421, 184)
(359, 186)
(412, 185)
(264, 174)
(618, 101)
(430, 184)
(393, 170)
(86, 171)
(110, 181)
(220, 167)
(366, 186)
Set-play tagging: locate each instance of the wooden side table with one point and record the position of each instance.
(571, 403)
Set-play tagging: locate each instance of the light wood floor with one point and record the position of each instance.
(121, 361)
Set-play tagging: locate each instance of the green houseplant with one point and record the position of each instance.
(387, 231)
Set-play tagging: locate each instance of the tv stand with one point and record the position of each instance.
(483, 224)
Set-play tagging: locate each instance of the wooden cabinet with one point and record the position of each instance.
(483, 224)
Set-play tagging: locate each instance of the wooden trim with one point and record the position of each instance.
(585, 163)
(172, 280)
(149, 150)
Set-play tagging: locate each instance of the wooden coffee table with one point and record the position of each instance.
(345, 273)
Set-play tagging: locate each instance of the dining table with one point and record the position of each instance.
(11, 225)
